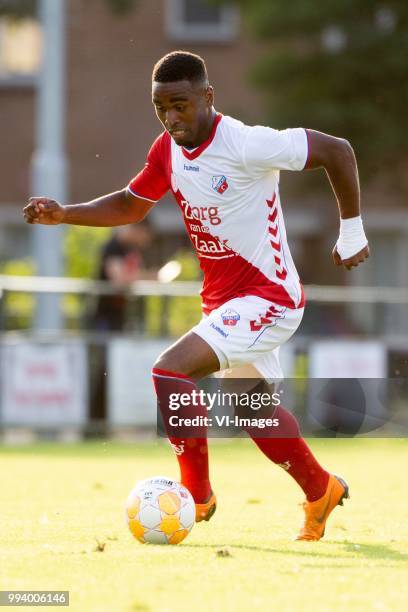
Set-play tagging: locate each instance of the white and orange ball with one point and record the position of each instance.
(160, 510)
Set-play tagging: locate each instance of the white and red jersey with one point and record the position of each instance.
(228, 192)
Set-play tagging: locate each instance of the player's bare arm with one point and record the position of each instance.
(337, 157)
(117, 208)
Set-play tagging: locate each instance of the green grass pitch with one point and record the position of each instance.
(57, 501)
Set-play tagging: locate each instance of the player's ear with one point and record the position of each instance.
(209, 95)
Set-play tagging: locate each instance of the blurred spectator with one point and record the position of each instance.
(122, 262)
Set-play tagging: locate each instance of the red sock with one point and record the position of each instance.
(293, 455)
(191, 447)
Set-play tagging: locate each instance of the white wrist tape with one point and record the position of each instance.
(351, 238)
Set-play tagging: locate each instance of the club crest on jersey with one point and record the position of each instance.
(219, 183)
(230, 317)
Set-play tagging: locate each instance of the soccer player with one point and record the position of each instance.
(224, 176)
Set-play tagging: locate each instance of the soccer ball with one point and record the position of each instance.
(160, 511)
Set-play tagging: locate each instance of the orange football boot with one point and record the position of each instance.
(317, 512)
(205, 511)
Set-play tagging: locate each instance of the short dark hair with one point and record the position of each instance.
(180, 66)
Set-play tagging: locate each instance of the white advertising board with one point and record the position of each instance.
(43, 384)
(347, 359)
(131, 397)
(355, 404)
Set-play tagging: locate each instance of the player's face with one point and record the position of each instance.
(185, 109)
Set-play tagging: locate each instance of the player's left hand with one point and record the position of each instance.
(351, 262)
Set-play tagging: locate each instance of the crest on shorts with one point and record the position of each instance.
(230, 317)
(219, 183)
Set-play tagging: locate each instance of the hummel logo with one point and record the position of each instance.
(191, 168)
(219, 330)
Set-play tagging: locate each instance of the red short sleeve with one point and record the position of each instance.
(155, 179)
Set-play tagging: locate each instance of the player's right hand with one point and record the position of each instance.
(44, 211)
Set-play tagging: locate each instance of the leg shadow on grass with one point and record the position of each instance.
(376, 552)
(264, 549)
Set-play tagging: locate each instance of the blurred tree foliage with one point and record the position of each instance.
(338, 66)
(185, 312)
(17, 8)
(181, 313)
(27, 8)
(120, 7)
(82, 247)
(18, 308)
